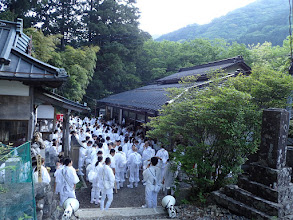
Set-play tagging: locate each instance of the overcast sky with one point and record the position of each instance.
(163, 16)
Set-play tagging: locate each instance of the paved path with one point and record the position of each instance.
(122, 213)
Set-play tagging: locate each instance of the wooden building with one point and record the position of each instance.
(24, 83)
(139, 104)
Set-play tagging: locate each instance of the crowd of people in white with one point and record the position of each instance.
(110, 154)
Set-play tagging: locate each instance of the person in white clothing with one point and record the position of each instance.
(152, 176)
(94, 178)
(68, 179)
(59, 167)
(108, 179)
(120, 167)
(45, 174)
(81, 159)
(147, 154)
(163, 155)
(134, 163)
(113, 162)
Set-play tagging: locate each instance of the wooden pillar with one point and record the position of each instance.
(111, 113)
(31, 122)
(66, 131)
(120, 116)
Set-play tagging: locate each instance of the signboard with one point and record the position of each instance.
(39, 168)
(59, 117)
(45, 112)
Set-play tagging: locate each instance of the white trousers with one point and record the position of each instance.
(151, 198)
(95, 193)
(80, 163)
(134, 174)
(119, 176)
(109, 195)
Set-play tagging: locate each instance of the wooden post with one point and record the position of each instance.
(66, 133)
(39, 168)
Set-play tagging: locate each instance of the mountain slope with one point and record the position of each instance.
(260, 21)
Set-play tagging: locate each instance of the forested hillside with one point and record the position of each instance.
(260, 21)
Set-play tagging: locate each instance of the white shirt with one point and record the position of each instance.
(148, 153)
(45, 176)
(152, 175)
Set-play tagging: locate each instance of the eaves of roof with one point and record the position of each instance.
(16, 64)
(60, 101)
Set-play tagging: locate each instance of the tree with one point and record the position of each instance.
(78, 62)
(214, 129)
(44, 47)
(115, 30)
(59, 17)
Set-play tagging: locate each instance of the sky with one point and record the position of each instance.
(163, 16)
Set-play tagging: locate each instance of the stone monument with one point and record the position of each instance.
(265, 191)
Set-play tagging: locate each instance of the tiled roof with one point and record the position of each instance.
(151, 98)
(16, 64)
(202, 70)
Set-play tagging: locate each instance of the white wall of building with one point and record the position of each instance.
(14, 88)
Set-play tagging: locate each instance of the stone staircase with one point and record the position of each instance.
(266, 190)
(122, 213)
(256, 196)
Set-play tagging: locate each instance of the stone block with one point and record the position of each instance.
(279, 195)
(273, 178)
(238, 207)
(289, 156)
(40, 214)
(247, 198)
(47, 211)
(49, 198)
(273, 147)
(41, 190)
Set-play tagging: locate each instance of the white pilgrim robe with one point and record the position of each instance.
(68, 180)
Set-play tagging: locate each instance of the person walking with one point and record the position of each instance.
(68, 180)
(95, 179)
(108, 179)
(134, 163)
(120, 167)
(152, 177)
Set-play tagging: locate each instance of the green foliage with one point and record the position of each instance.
(113, 26)
(260, 21)
(160, 59)
(25, 216)
(214, 129)
(269, 88)
(44, 47)
(80, 64)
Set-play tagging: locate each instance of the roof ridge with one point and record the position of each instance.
(234, 59)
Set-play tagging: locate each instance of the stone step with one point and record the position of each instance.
(122, 213)
(238, 207)
(247, 198)
(279, 195)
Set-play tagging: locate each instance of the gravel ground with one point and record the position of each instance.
(135, 197)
